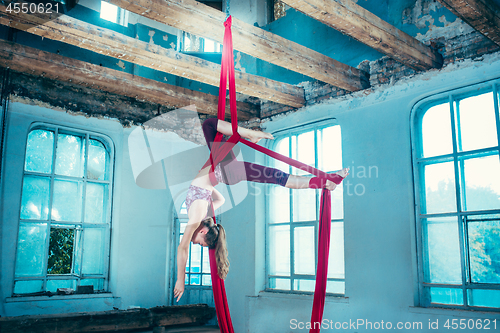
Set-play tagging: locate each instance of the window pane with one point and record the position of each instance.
(35, 198)
(337, 202)
(195, 258)
(484, 251)
(97, 283)
(482, 183)
(183, 210)
(305, 150)
(206, 280)
(209, 46)
(441, 250)
(31, 249)
(484, 298)
(95, 203)
(336, 254)
(97, 160)
(77, 252)
(93, 251)
(477, 122)
(279, 250)
(52, 285)
(279, 204)
(195, 279)
(304, 285)
(182, 227)
(281, 284)
(67, 201)
(440, 196)
(39, 151)
(192, 43)
(335, 287)
(436, 131)
(303, 250)
(206, 260)
(25, 287)
(330, 151)
(304, 205)
(109, 12)
(60, 251)
(283, 148)
(446, 296)
(70, 154)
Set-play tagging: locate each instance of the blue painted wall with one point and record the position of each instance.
(380, 258)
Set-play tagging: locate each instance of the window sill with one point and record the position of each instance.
(455, 312)
(295, 297)
(58, 297)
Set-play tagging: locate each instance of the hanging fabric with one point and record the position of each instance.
(219, 152)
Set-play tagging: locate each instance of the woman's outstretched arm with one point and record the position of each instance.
(255, 136)
(217, 199)
(196, 213)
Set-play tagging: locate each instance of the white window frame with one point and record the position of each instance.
(463, 216)
(109, 146)
(295, 131)
(122, 15)
(182, 36)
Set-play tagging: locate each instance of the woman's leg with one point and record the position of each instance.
(236, 171)
(298, 182)
(210, 131)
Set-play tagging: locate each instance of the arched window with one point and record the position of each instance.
(457, 191)
(65, 216)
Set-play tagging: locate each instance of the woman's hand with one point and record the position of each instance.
(256, 136)
(179, 289)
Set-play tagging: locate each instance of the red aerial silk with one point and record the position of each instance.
(217, 155)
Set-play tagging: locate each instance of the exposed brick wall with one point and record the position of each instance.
(268, 109)
(388, 71)
(471, 45)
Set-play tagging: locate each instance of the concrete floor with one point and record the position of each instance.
(193, 329)
(199, 329)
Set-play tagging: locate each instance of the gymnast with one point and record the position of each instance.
(201, 228)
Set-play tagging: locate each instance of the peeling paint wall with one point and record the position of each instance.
(379, 240)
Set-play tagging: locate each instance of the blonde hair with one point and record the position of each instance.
(216, 239)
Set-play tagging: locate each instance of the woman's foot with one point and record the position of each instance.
(342, 173)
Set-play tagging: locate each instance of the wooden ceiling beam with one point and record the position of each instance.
(482, 15)
(32, 61)
(107, 42)
(360, 24)
(196, 18)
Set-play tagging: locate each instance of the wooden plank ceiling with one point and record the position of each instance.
(482, 15)
(104, 41)
(31, 61)
(355, 21)
(201, 20)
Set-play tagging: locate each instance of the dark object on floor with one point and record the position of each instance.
(114, 321)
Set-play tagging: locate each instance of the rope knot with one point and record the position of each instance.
(228, 21)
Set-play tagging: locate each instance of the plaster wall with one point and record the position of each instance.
(380, 250)
(141, 224)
